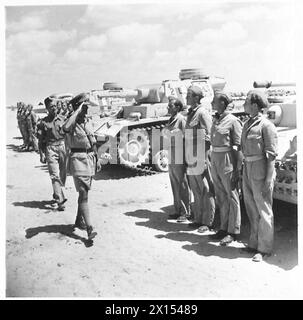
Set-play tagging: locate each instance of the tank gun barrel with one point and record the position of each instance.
(125, 93)
(268, 84)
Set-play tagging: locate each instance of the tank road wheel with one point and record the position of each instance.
(161, 161)
(133, 148)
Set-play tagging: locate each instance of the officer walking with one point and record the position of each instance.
(225, 166)
(52, 150)
(259, 148)
(83, 158)
(199, 123)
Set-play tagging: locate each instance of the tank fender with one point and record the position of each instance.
(111, 128)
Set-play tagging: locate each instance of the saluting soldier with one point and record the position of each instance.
(225, 166)
(52, 150)
(259, 147)
(83, 159)
(199, 123)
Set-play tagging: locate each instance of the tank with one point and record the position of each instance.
(282, 112)
(132, 137)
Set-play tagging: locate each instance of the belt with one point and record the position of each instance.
(55, 143)
(221, 149)
(81, 150)
(254, 158)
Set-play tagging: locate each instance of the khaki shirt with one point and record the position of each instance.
(31, 121)
(226, 131)
(50, 129)
(22, 116)
(19, 112)
(199, 118)
(259, 137)
(81, 136)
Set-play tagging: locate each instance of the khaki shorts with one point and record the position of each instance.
(85, 181)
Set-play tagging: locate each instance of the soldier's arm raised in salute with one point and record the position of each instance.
(70, 123)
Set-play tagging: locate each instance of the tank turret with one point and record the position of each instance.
(112, 86)
(217, 83)
(268, 84)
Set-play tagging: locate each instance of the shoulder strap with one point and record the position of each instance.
(88, 135)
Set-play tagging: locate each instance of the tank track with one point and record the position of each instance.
(145, 169)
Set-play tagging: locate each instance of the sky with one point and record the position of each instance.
(76, 48)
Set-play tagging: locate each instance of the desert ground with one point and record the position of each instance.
(139, 252)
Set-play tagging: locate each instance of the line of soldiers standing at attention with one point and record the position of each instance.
(234, 153)
(27, 123)
(66, 143)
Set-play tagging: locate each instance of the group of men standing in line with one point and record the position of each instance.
(27, 123)
(233, 152)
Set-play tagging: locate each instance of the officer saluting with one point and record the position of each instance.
(83, 159)
(52, 150)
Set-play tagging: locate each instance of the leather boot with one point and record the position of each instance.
(90, 233)
(80, 223)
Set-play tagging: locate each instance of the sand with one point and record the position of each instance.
(138, 252)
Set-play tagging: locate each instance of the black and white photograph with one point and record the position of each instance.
(151, 150)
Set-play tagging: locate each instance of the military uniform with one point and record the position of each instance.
(82, 161)
(19, 111)
(258, 142)
(82, 158)
(174, 131)
(226, 133)
(51, 143)
(200, 183)
(23, 125)
(31, 121)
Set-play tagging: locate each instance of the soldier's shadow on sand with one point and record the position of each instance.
(14, 147)
(42, 167)
(64, 229)
(286, 258)
(157, 220)
(116, 172)
(17, 148)
(43, 205)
